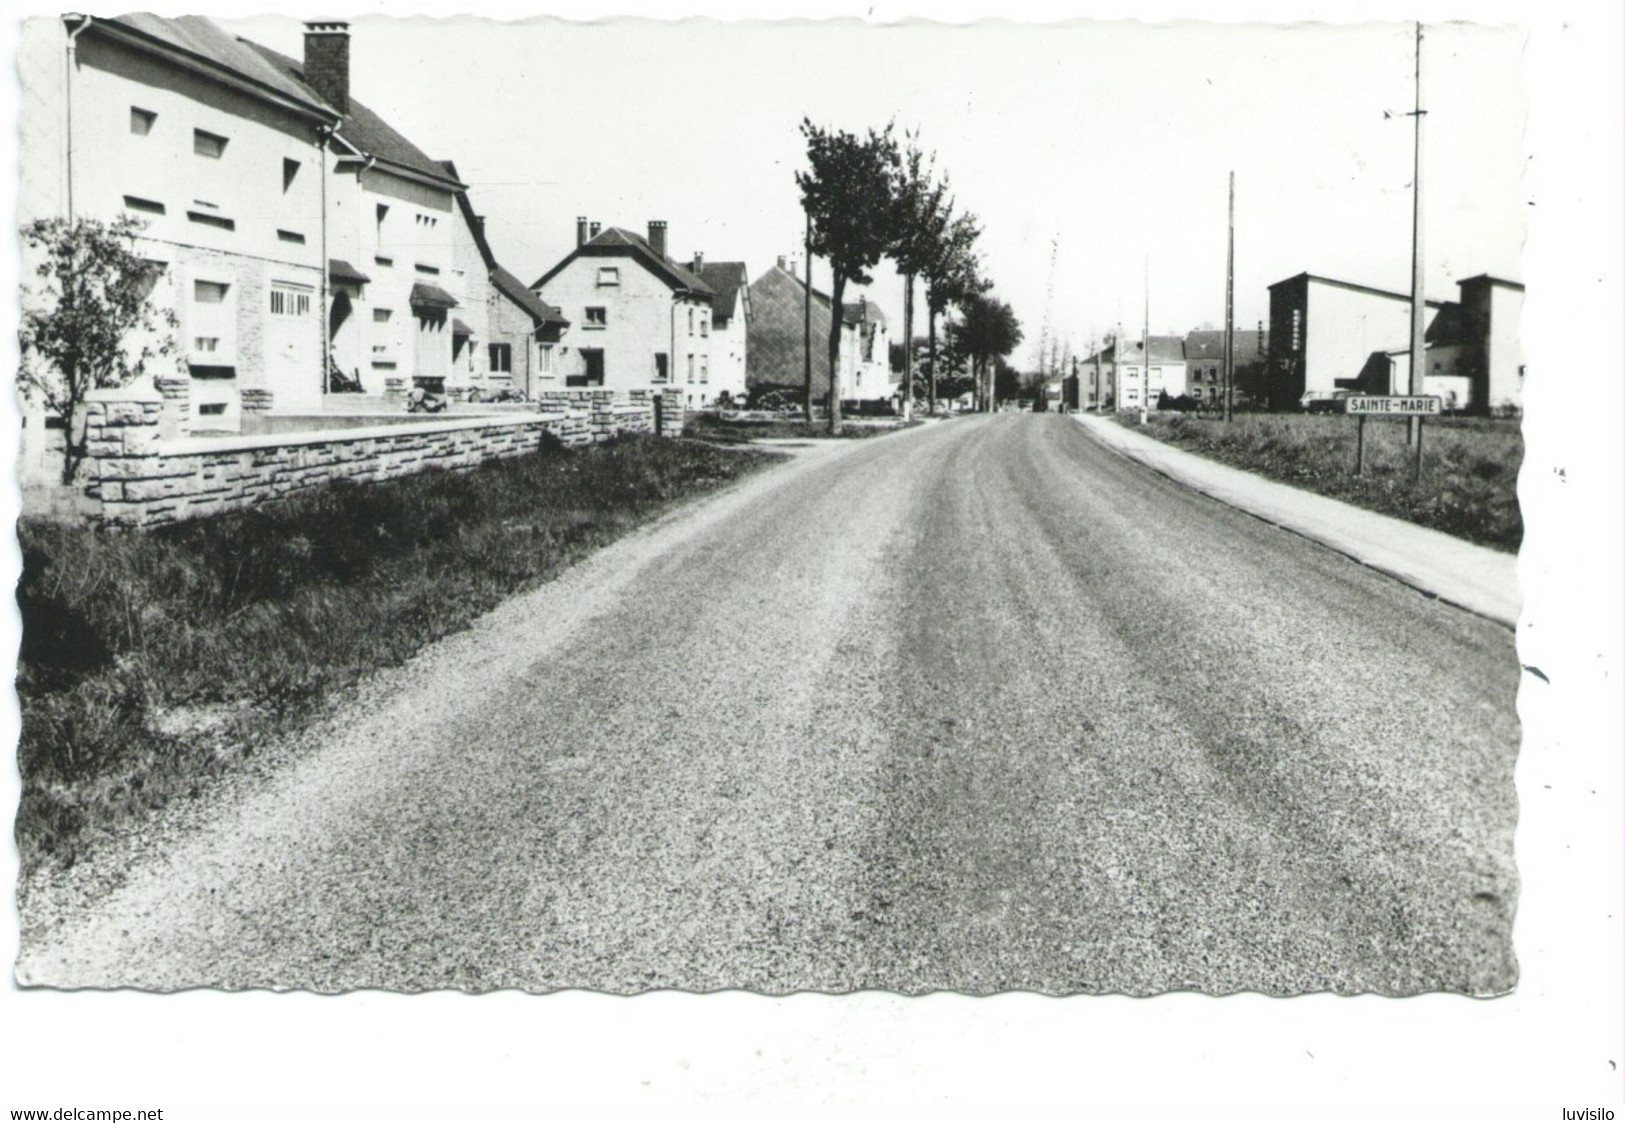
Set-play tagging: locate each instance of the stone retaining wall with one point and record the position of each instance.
(138, 474)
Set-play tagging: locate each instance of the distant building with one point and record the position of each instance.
(871, 379)
(1357, 339)
(639, 318)
(730, 328)
(503, 336)
(1097, 378)
(1165, 373)
(1204, 364)
(1323, 331)
(777, 350)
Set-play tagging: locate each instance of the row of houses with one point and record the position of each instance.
(1326, 336)
(307, 247)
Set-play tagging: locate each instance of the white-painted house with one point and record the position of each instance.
(220, 153)
(391, 214)
(870, 378)
(1166, 372)
(639, 318)
(730, 329)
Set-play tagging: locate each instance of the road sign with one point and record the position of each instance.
(1394, 406)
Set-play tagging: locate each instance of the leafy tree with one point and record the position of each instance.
(847, 192)
(952, 274)
(988, 330)
(923, 212)
(90, 322)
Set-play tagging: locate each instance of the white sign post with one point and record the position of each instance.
(1390, 405)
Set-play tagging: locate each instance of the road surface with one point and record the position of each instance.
(978, 706)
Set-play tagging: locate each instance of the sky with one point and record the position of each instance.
(1093, 152)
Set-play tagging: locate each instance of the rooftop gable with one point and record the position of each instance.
(616, 242)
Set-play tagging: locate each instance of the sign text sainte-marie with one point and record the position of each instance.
(1395, 406)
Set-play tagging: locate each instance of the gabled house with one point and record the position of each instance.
(503, 336)
(871, 379)
(220, 153)
(1097, 378)
(390, 216)
(640, 318)
(1204, 363)
(1137, 379)
(777, 352)
(730, 329)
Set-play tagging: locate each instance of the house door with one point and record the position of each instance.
(592, 359)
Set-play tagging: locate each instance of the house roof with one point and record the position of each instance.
(364, 130)
(541, 312)
(725, 279)
(862, 311)
(1210, 345)
(1487, 279)
(616, 242)
(205, 48)
(1164, 349)
(1350, 285)
(1451, 325)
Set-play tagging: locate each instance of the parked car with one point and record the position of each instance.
(1324, 401)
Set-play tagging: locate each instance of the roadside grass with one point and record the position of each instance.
(705, 427)
(1469, 465)
(152, 661)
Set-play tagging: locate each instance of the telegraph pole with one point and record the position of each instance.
(806, 320)
(1418, 296)
(1230, 306)
(1145, 366)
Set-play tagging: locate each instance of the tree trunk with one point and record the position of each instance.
(806, 324)
(908, 346)
(931, 345)
(73, 442)
(837, 320)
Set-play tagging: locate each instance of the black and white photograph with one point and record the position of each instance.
(723, 547)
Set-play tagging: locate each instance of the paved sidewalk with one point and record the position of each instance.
(1473, 577)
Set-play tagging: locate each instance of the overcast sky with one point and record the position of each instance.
(1087, 149)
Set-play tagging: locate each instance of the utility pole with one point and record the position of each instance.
(1230, 307)
(1145, 366)
(1418, 297)
(806, 320)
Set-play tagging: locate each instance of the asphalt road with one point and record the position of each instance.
(979, 706)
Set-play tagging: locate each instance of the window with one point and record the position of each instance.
(426, 220)
(544, 358)
(384, 261)
(202, 218)
(206, 344)
(597, 318)
(211, 409)
(383, 213)
(501, 358)
(209, 292)
(289, 300)
(705, 326)
(662, 366)
(291, 236)
(208, 144)
(608, 275)
(383, 364)
(381, 315)
(592, 359)
(705, 369)
(431, 270)
(141, 120)
(136, 203)
(691, 370)
(691, 325)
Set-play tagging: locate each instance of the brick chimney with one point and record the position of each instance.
(592, 231)
(327, 62)
(781, 261)
(657, 236)
(699, 261)
(581, 229)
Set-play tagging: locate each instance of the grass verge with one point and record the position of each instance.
(1469, 466)
(151, 661)
(705, 427)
